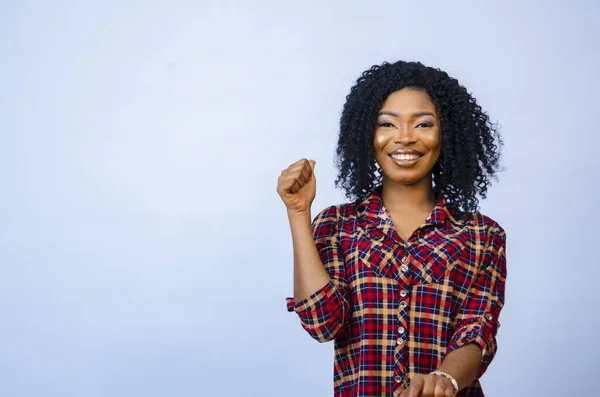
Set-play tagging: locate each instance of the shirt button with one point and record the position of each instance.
(488, 317)
(403, 304)
(404, 269)
(405, 260)
(398, 379)
(400, 341)
(403, 293)
(401, 330)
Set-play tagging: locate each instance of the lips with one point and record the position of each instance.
(405, 156)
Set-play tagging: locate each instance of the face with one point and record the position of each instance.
(407, 139)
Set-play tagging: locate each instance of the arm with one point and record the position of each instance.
(477, 321)
(461, 364)
(320, 296)
(320, 286)
(309, 274)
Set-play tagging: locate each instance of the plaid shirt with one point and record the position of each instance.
(395, 308)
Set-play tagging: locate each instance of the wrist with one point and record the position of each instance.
(299, 216)
(447, 376)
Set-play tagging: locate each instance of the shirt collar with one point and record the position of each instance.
(373, 211)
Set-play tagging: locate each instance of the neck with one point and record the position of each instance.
(398, 198)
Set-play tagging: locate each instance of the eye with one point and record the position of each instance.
(425, 124)
(386, 124)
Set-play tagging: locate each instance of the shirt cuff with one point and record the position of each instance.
(480, 330)
(314, 301)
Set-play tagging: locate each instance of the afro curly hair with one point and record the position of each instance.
(470, 152)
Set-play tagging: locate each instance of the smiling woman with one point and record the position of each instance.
(407, 278)
(407, 138)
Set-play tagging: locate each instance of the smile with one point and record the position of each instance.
(405, 159)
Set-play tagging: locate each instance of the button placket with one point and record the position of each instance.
(402, 317)
(403, 322)
(404, 265)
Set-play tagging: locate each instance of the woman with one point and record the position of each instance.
(407, 278)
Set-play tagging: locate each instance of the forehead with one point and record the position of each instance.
(408, 100)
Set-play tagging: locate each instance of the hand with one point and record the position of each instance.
(429, 386)
(297, 186)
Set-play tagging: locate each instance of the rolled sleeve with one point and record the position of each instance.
(323, 314)
(477, 321)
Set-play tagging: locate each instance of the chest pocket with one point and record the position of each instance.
(378, 256)
(434, 257)
(428, 260)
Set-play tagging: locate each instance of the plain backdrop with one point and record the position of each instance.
(143, 248)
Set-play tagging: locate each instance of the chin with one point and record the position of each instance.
(405, 178)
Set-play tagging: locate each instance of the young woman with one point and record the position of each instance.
(407, 278)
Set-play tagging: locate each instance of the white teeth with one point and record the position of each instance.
(405, 157)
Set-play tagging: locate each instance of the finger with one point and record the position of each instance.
(284, 184)
(310, 167)
(404, 393)
(449, 392)
(429, 387)
(301, 177)
(307, 171)
(310, 170)
(306, 175)
(441, 390)
(299, 169)
(299, 164)
(295, 186)
(415, 387)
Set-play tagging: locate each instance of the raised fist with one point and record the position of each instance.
(297, 186)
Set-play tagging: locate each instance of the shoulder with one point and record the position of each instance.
(336, 213)
(336, 216)
(483, 224)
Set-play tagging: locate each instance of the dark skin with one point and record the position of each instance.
(408, 123)
(408, 129)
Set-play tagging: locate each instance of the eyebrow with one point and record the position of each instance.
(414, 115)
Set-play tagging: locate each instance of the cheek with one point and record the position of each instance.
(380, 141)
(433, 141)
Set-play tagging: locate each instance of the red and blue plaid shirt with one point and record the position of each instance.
(396, 308)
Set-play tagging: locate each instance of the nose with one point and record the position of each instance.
(405, 136)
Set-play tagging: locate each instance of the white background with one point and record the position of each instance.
(143, 248)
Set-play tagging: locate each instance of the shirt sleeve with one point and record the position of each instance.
(323, 315)
(477, 321)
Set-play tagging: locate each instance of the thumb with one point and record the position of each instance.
(312, 164)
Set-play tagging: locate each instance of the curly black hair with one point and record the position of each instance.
(470, 152)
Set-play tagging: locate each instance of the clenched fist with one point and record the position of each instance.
(297, 186)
